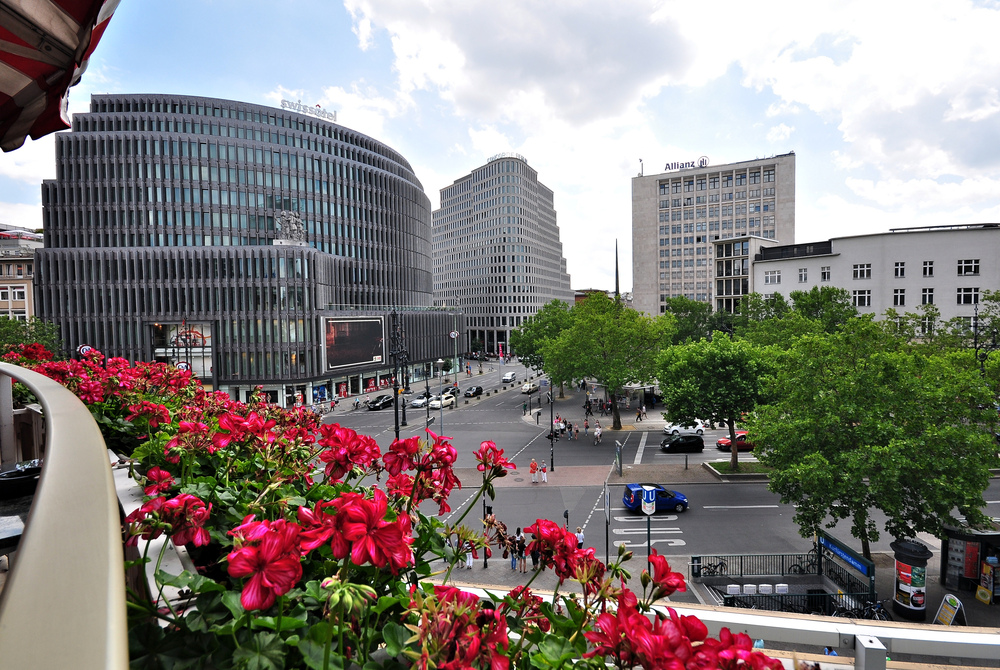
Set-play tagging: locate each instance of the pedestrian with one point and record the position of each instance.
(576, 433)
(512, 548)
(601, 404)
(562, 427)
(524, 408)
(586, 428)
(579, 537)
(643, 411)
(555, 425)
(597, 435)
(469, 555)
(545, 477)
(522, 561)
(638, 414)
(569, 429)
(830, 651)
(536, 555)
(533, 469)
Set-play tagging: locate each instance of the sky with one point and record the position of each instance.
(892, 108)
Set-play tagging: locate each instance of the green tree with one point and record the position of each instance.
(547, 324)
(832, 307)
(694, 318)
(717, 380)
(14, 333)
(610, 343)
(860, 421)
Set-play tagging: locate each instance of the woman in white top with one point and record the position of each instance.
(579, 537)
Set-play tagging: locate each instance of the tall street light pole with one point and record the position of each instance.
(439, 364)
(427, 393)
(397, 349)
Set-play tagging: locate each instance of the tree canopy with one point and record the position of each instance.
(610, 343)
(717, 380)
(551, 320)
(860, 421)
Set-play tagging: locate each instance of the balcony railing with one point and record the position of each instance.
(63, 605)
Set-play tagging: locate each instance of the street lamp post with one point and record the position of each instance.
(982, 349)
(427, 393)
(397, 349)
(552, 428)
(439, 364)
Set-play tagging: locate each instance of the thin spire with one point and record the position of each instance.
(617, 294)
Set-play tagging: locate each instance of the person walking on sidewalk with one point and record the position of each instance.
(638, 414)
(576, 433)
(579, 537)
(597, 434)
(533, 469)
(643, 411)
(545, 477)
(522, 560)
(586, 427)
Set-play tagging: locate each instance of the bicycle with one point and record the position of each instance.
(714, 569)
(876, 611)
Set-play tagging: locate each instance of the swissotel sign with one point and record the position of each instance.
(700, 163)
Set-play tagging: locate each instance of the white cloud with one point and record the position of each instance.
(779, 133)
(32, 163)
(20, 214)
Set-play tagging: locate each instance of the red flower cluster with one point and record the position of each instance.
(433, 462)
(267, 552)
(358, 528)
(527, 607)
(159, 481)
(191, 436)
(670, 642)
(490, 458)
(236, 428)
(666, 581)
(345, 450)
(153, 413)
(557, 546)
(460, 634)
(182, 518)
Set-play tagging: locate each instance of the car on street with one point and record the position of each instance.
(437, 402)
(529, 387)
(473, 391)
(697, 428)
(741, 443)
(508, 377)
(666, 499)
(677, 444)
(420, 401)
(380, 402)
(453, 391)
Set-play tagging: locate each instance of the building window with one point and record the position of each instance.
(18, 292)
(713, 182)
(727, 181)
(926, 296)
(803, 275)
(899, 297)
(928, 268)
(926, 325)
(769, 175)
(741, 179)
(754, 177)
(969, 266)
(900, 270)
(863, 271)
(772, 277)
(824, 273)
(966, 296)
(862, 298)
(4, 294)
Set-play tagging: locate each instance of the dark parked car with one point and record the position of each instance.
(741, 443)
(473, 391)
(380, 402)
(676, 444)
(665, 498)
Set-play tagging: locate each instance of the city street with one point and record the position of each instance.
(723, 517)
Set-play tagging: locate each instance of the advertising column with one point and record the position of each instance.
(910, 597)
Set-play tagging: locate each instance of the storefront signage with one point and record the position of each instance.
(949, 609)
(683, 165)
(306, 109)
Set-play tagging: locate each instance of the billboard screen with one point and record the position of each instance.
(353, 342)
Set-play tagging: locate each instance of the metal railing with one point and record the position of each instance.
(63, 605)
(754, 565)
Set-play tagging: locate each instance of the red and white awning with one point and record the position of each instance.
(44, 49)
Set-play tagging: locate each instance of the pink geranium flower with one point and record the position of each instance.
(272, 563)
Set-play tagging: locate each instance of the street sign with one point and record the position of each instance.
(648, 500)
(607, 503)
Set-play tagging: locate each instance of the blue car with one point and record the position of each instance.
(666, 499)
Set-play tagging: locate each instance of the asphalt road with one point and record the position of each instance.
(722, 518)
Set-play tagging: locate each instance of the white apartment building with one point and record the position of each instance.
(496, 251)
(678, 215)
(947, 266)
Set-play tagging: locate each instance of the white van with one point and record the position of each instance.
(509, 377)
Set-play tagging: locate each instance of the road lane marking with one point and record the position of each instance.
(740, 506)
(651, 531)
(642, 447)
(636, 519)
(672, 542)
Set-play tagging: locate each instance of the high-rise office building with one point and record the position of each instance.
(496, 251)
(260, 246)
(678, 215)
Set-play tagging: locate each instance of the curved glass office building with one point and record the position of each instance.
(259, 245)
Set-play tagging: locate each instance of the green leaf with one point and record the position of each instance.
(554, 653)
(201, 488)
(231, 599)
(271, 623)
(196, 583)
(296, 501)
(395, 637)
(384, 603)
(313, 653)
(265, 651)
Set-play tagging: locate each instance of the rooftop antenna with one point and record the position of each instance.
(641, 169)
